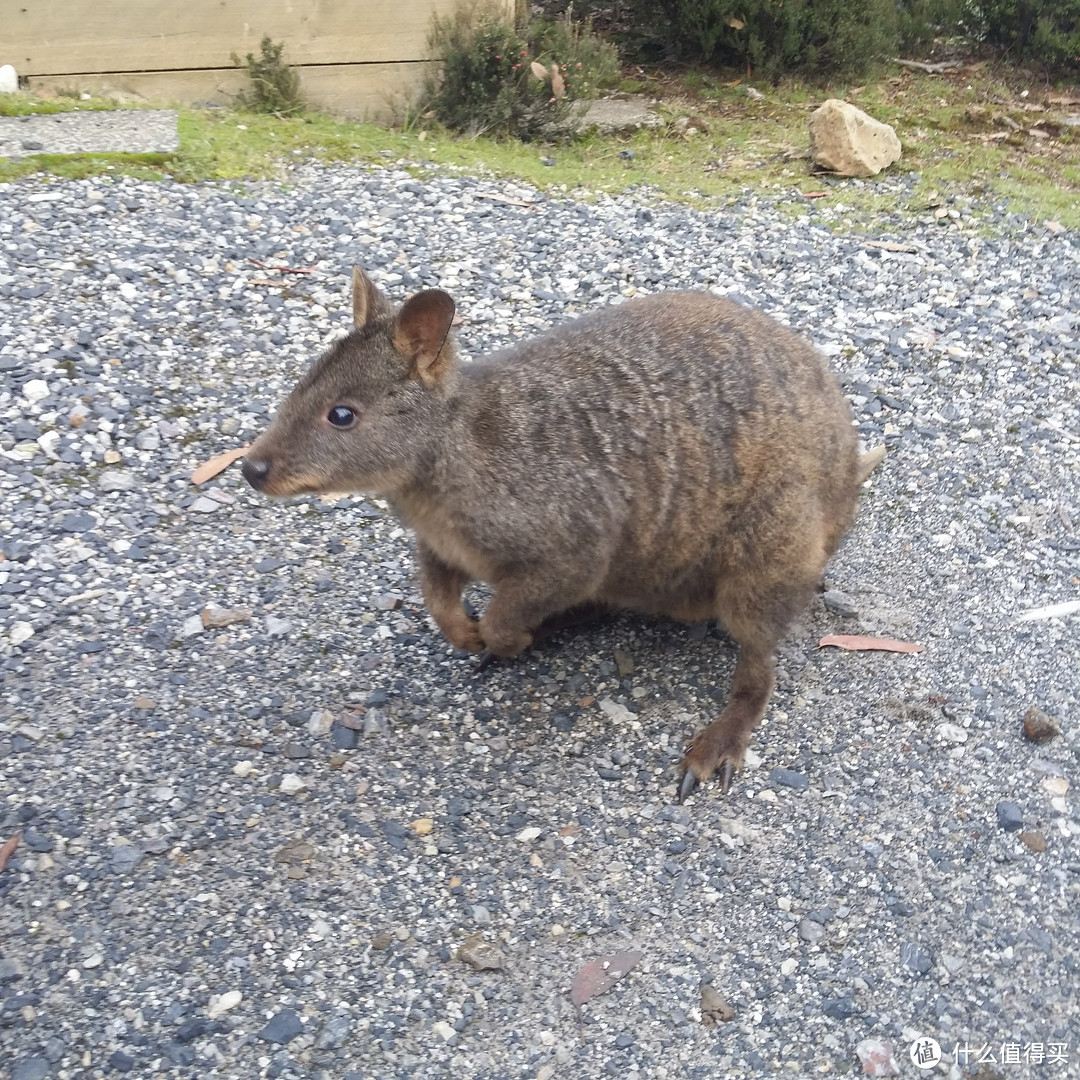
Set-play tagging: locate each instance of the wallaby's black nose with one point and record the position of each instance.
(255, 472)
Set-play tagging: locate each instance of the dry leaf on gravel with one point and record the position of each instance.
(209, 469)
(859, 643)
(600, 975)
(6, 850)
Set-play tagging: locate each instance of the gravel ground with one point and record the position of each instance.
(256, 849)
(143, 131)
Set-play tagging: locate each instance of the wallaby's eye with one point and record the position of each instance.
(341, 416)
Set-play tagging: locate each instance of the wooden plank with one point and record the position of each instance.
(355, 91)
(58, 37)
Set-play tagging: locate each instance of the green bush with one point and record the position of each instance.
(275, 87)
(921, 22)
(1045, 32)
(771, 38)
(489, 81)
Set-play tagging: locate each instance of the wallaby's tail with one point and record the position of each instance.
(870, 461)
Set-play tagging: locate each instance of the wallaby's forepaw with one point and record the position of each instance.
(464, 633)
(712, 751)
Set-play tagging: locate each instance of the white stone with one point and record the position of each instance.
(952, 733)
(618, 713)
(219, 1004)
(35, 389)
(291, 784)
(9, 79)
(243, 768)
(528, 834)
(444, 1029)
(49, 441)
(117, 480)
(276, 627)
(20, 632)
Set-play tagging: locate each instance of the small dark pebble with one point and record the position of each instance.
(839, 1008)
(36, 842)
(788, 778)
(840, 603)
(121, 1062)
(344, 738)
(78, 522)
(282, 1028)
(191, 1029)
(1009, 816)
(915, 958)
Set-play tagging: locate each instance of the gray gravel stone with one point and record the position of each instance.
(31, 1068)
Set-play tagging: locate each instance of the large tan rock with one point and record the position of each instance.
(845, 140)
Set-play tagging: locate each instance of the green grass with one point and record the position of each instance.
(749, 143)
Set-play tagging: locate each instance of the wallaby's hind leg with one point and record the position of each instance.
(758, 623)
(722, 744)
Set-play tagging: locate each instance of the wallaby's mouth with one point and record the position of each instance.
(259, 473)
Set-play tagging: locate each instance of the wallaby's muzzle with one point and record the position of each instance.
(256, 472)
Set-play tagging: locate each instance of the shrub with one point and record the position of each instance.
(1046, 32)
(776, 37)
(499, 80)
(275, 87)
(921, 22)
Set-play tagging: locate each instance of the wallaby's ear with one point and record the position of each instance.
(368, 300)
(421, 334)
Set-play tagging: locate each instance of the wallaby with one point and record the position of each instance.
(677, 454)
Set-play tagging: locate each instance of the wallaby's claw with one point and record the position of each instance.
(484, 661)
(727, 774)
(687, 785)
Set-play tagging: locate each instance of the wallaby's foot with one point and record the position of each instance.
(715, 750)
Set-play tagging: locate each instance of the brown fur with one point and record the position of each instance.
(678, 455)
